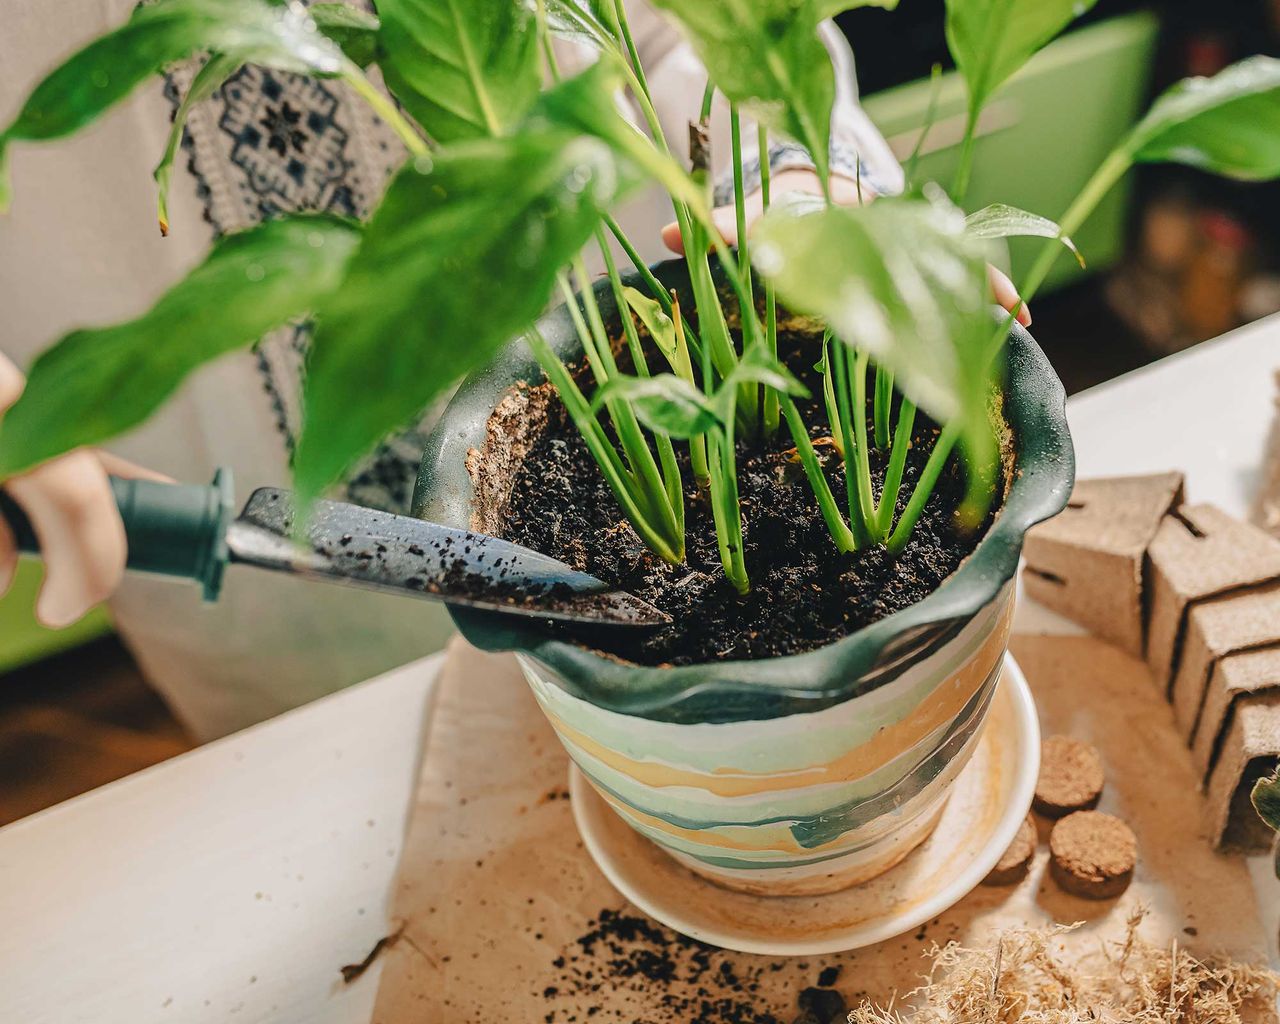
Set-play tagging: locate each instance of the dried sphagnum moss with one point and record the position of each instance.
(1029, 978)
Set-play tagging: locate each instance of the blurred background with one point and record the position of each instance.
(1174, 258)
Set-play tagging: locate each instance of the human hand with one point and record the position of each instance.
(846, 192)
(73, 513)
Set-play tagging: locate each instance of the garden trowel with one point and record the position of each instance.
(192, 532)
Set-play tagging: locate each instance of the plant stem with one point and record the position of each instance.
(384, 108)
(684, 367)
(619, 480)
(897, 462)
(751, 392)
(838, 367)
(930, 114)
(883, 405)
(960, 185)
(836, 526)
(770, 413)
(924, 488)
(1104, 179)
(666, 451)
(834, 420)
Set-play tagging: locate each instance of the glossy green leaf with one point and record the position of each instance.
(991, 39)
(1228, 124)
(355, 31)
(664, 403)
(1266, 800)
(660, 326)
(96, 383)
(1000, 220)
(464, 70)
(584, 21)
(904, 281)
(765, 55)
(108, 69)
(459, 258)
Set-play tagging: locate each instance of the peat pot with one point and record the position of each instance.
(798, 774)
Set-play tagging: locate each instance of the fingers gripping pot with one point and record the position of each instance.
(797, 774)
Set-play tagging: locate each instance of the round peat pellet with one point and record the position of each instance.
(1092, 854)
(1071, 777)
(1012, 867)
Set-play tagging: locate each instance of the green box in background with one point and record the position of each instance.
(1041, 136)
(22, 639)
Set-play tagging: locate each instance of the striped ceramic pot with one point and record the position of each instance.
(802, 774)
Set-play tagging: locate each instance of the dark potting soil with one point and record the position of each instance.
(804, 594)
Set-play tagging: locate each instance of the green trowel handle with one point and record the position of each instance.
(172, 529)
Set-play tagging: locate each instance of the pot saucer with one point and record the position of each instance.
(989, 801)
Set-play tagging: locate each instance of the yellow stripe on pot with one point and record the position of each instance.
(940, 707)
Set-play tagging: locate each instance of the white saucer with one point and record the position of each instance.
(989, 801)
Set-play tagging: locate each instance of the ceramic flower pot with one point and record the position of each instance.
(799, 774)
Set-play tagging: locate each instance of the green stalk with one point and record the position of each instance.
(838, 367)
(726, 508)
(619, 480)
(961, 183)
(836, 526)
(834, 420)
(930, 115)
(666, 451)
(770, 412)
(924, 488)
(893, 475)
(653, 489)
(684, 367)
(883, 405)
(383, 107)
(749, 393)
(598, 370)
(862, 456)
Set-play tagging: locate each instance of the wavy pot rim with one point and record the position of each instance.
(1043, 472)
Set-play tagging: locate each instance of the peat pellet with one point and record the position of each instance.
(1071, 777)
(1012, 867)
(1092, 854)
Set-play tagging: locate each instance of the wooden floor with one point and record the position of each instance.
(77, 721)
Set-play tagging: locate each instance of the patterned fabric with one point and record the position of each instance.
(268, 143)
(784, 156)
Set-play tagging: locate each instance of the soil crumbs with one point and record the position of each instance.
(804, 594)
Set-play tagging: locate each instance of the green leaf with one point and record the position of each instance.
(107, 70)
(904, 281)
(1266, 800)
(655, 320)
(1228, 124)
(664, 403)
(355, 31)
(991, 39)
(459, 258)
(1000, 220)
(96, 383)
(464, 70)
(208, 80)
(830, 8)
(586, 103)
(765, 55)
(584, 21)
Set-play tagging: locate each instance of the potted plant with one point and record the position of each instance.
(798, 726)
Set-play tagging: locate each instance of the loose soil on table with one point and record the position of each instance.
(804, 594)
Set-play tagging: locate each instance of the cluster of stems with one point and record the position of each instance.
(641, 468)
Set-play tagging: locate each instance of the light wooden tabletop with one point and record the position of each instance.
(232, 883)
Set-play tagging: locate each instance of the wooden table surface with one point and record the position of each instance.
(232, 883)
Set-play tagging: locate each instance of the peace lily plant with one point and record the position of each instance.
(512, 172)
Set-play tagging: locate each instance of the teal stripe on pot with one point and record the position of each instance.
(729, 691)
